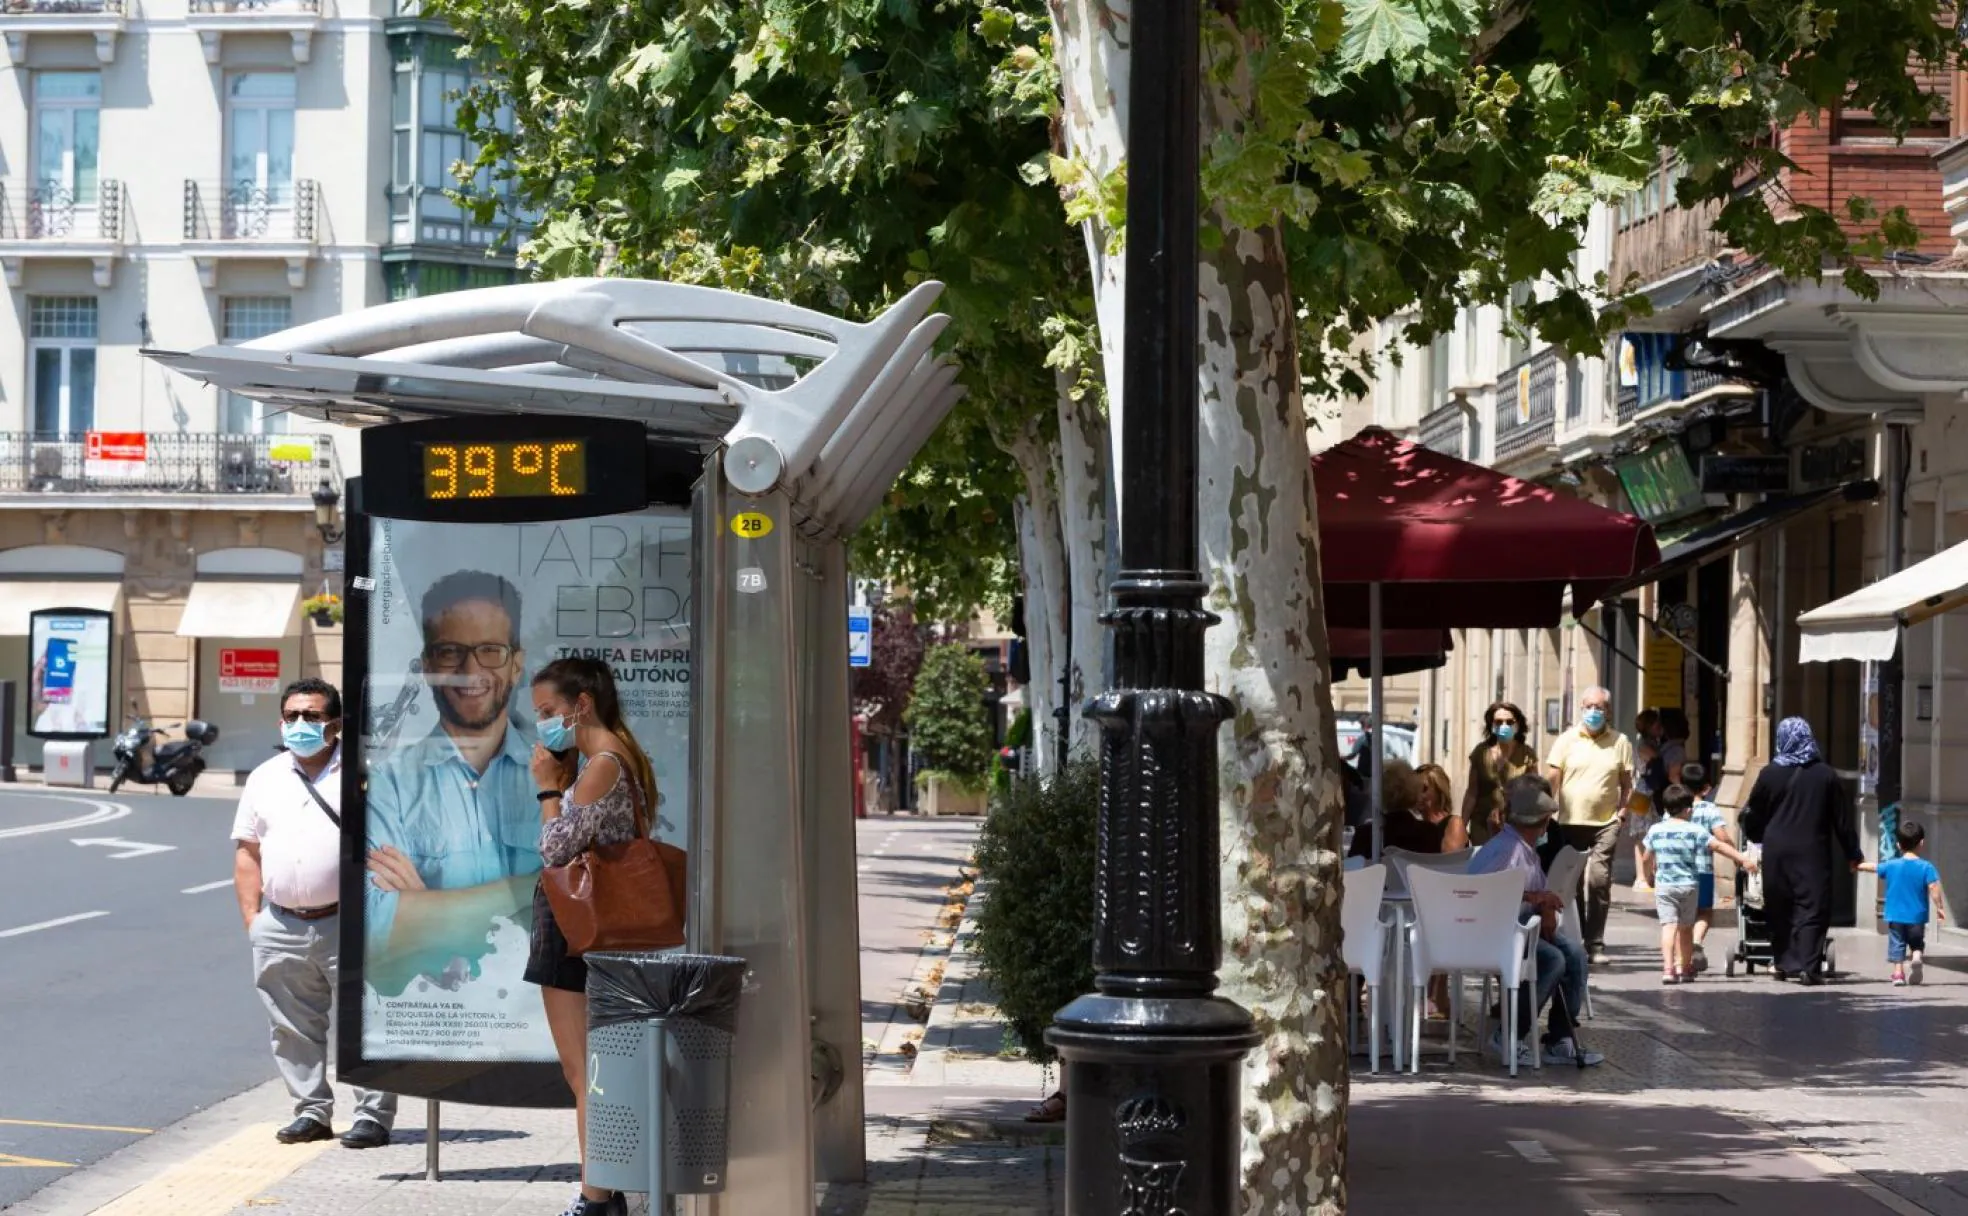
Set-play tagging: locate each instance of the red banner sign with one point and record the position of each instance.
(245, 670)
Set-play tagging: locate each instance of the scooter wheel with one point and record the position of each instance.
(180, 786)
(115, 782)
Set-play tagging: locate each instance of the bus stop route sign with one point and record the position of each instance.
(860, 638)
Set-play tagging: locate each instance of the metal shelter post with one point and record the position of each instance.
(1153, 1059)
(1376, 661)
(430, 1135)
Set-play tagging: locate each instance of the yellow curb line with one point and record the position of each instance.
(9, 1161)
(223, 1177)
(79, 1127)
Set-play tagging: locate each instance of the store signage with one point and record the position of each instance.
(860, 638)
(249, 671)
(1745, 474)
(1659, 483)
(1827, 464)
(112, 454)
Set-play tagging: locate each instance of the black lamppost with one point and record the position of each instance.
(1153, 1058)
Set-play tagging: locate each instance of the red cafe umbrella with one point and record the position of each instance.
(1411, 538)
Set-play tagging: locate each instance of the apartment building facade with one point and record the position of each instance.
(175, 173)
(1790, 441)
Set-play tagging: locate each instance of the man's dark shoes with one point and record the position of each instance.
(367, 1133)
(304, 1129)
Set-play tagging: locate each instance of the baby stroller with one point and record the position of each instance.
(1753, 945)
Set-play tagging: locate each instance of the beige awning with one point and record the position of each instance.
(241, 608)
(1865, 625)
(21, 598)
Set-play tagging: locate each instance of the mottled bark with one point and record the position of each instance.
(1042, 566)
(1085, 476)
(1281, 803)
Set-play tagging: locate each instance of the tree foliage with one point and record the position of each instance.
(895, 655)
(1035, 858)
(945, 716)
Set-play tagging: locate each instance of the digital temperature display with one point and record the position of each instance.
(528, 468)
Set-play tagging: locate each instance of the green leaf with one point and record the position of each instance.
(1380, 30)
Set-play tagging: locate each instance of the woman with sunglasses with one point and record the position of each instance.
(1504, 755)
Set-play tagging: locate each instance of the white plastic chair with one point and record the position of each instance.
(1563, 881)
(1363, 945)
(1353, 863)
(1464, 924)
(1444, 863)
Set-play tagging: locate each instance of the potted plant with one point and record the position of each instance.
(325, 609)
(949, 730)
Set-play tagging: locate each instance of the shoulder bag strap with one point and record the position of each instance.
(321, 802)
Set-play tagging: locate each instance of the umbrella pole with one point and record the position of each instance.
(1374, 738)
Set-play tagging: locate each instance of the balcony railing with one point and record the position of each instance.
(168, 462)
(248, 211)
(1626, 405)
(255, 6)
(1526, 405)
(1671, 240)
(1444, 430)
(61, 8)
(52, 211)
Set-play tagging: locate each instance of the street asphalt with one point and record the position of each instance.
(126, 989)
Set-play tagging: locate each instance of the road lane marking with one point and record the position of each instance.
(231, 1174)
(131, 848)
(9, 1161)
(50, 924)
(203, 887)
(1533, 1152)
(79, 1127)
(104, 812)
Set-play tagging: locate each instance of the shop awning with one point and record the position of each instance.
(21, 598)
(1402, 651)
(1865, 625)
(1723, 537)
(240, 608)
(1456, 545)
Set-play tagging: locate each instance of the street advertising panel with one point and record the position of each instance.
(68, 689)
(450, 620)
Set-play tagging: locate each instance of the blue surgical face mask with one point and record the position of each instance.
(557, 734)
(1506, 731)
(1595, 720)
(305, 739)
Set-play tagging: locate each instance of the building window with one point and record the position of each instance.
(61, 333)
(67, 108)
(1516, 331)
(410, 280)
(243, 318)
(260, 139)
(426, 142)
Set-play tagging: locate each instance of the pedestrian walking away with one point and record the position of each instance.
(1798, 811)
(1590, 769)
(1672, 849)
(1708, 817)
(1913, 887)
(287, 850)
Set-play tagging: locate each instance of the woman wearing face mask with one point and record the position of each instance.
(1504, 755)
(596, 787)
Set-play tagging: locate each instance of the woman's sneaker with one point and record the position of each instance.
(1566, 1051)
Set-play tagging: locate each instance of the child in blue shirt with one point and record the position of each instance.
(1708, 817)
(1913, 885)
(1669, 862)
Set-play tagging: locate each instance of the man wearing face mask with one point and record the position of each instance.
(1591, 772)
(287, 871)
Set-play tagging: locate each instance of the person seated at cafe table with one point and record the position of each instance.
(1561, 962)
(1421, 813)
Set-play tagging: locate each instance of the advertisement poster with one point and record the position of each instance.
(461, 618)
(249, 670)
(114, 454)
(68, 690)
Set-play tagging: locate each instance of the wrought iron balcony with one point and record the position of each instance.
(1526, 405)
(249, 211)
(61, 8)
(54, 211)
(1444, 430)
(168, 463)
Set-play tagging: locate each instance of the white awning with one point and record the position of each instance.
(240, 608)
(21, 598)
(1865, 625)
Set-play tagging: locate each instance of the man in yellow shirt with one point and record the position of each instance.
(1591, 771)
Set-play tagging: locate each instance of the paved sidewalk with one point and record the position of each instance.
(1757, 1097)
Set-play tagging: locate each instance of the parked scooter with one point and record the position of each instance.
(174, 765)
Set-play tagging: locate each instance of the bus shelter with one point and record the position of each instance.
(660, 476)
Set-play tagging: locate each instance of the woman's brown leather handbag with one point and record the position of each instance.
(628, 896)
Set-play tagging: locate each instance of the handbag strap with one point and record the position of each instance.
(320, 801)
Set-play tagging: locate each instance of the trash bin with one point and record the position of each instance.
(681, 1010)
(68, 762)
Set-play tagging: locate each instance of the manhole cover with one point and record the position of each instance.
(1628, 1202)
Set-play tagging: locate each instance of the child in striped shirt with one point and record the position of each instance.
(1672, 848)
(1708, 817)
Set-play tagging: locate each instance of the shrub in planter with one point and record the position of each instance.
(1035, 930)
(947, 725)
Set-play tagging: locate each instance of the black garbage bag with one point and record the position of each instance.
(643, 986)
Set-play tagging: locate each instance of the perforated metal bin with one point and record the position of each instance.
(634, 996)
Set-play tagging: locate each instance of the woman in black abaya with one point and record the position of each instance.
(1797, 811)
